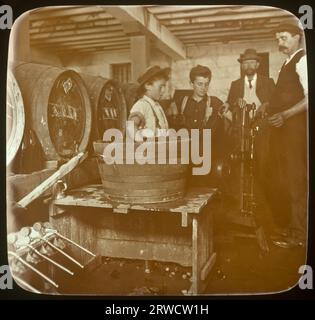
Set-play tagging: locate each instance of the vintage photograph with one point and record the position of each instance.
(157, 150)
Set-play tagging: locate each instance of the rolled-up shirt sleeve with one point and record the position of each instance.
(301, 70)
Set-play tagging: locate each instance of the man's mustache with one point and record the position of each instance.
(281, 48)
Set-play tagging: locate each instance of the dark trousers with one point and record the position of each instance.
(286, 175)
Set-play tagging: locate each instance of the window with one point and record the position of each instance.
(121, 72)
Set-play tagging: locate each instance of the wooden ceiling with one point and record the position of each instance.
(91, 28)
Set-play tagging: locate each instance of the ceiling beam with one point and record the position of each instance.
(170, 9)
(86, 41)
(219, 18)
(91, 50)
(224, 39)
(96, 45)
(163, 38)
(90, 35)
(226, 34)
(88, 30)
(101, 16)
(74, 26)
(222, 11)
(199, 26)
(67, 11)
(232, 30)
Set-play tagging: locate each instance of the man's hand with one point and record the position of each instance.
(224, 108)
(208, 113)
(276, 120)
(261, 111)
(241, 103)
(172, 109)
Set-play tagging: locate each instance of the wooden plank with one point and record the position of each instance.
(118, 44)
(165, 252)
(49, 182)
(223, 12)
(224, 31)
(225, 39)
(95, 50)
(110, 32)
(93, 196)
(65, 11)
(195, 261)
(66, 44)
(98, 17)
(165, 40)
(83, 231)
(22, 184)
(89, 35)
(237, 17)
(70, 27)
(221, 25)
(208, 266)
(207, 33)
(176, 9)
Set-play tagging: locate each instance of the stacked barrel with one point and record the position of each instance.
(59, 111)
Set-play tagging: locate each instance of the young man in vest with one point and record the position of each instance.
(202, 111)
(288, 152)
(199, 109)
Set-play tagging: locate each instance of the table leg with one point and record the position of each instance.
(203, 255)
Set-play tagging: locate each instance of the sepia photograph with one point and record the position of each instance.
(157, 150)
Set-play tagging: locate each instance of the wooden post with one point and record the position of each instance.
(140, 55)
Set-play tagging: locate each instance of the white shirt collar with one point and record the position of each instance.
(292, 55)
(253, 80)
(150, 100)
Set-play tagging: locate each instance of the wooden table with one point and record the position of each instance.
(180, 231)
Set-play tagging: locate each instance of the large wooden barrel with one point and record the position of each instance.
(108, 105)
(130, 91)
(143, 183)
(58, 108)
(15, 118)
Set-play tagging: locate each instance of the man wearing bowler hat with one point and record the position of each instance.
(288, 137)
(147, 114)
(251, 87)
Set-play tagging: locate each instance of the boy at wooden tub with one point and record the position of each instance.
(147, 117)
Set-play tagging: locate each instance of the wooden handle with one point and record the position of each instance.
(49, 182)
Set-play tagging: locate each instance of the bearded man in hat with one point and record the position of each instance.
(147, 115)
(288, 150)
(251, 87)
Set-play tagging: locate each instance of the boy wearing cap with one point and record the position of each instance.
(147, 114)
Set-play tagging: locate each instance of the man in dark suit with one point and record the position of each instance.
(251, 87)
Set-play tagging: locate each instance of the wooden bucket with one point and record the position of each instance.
(108, 105)
(142, 183)
(58, 108)
(15, 118)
